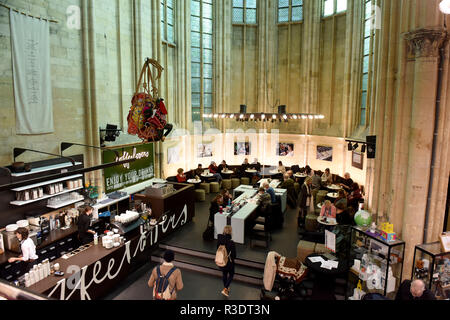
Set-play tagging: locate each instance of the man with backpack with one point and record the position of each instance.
(225, 256)
(166, 279)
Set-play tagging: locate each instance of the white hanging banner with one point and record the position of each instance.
(30, 41)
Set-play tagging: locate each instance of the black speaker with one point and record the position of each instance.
(371, 146)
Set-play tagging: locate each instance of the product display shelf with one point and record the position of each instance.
(377, 258)
(64, 204)
(46, 196)
(432, 265)
(32, 186)
(46, 168)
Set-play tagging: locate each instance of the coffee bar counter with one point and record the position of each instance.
(95, 271)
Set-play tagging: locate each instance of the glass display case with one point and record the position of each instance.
(432, 265)
(377, 264)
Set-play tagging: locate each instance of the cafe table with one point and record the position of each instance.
(333, 187)
(332, 195)
(251, 171)
(195, 182)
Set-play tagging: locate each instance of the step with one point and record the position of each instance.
(209, 255)
(208, 266)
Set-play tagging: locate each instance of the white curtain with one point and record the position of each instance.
(30, 42)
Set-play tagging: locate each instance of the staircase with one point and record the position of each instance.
(246, 271)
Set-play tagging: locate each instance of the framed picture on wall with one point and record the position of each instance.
(324, 153)
(242, 148)
(204, 150)
(285, 150)
(173, 155)
(357, 160)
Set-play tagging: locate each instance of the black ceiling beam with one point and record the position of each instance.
(66, 145)
(19, 151)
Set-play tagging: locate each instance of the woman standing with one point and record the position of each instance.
(28, 248)
(304, 201)
(228, 270)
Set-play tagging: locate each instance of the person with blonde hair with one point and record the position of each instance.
(304, 201)
(228, 270)
(328, 210)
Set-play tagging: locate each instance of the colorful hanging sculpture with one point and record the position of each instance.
(148, 115)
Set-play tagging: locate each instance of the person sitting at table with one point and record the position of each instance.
(328, 210)
(341, 199)
(199, 171)
(304, 201)
(263, 199)
(270, 191)
(327, 177)
(415, 290)
(316, 181)
(354, 197)
(308, 171)
(288, 184)
(347, 182)
(181, 177)
(222, 166)
(281, 167)
(214, 208)
(245, 165)
(227, 197)
(28, 257)
(290, 173)
(256, 165)
(215, 171)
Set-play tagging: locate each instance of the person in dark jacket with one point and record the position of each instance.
(85, 234)
(415, 290)
(228, 270)
(214, 208)
(304, 201)
(288, 184)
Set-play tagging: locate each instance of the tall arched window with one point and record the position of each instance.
(168, 20)
(201, 58)
(368, 33)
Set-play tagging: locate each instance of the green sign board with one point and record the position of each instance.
(128, 174)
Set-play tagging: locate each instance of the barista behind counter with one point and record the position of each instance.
(85, 235)
(28, 248)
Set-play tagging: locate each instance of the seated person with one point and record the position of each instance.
(309, 172)
(227, 197)
(181, 176)
(222, 166)
(270, 191)
(214, 208)
(341, 199)
(354, 197)
(342, 215)
(328, 210)
(215, 171)
(327, 177)
(256, 165)
(245, 165)
(316, 181)
(263, 199)
(199, 170)
(415, 290)
(347, 182)
(281, 167)
(290, 174)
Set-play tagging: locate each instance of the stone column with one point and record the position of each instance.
(423, 50)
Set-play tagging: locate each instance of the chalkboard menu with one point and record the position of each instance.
(128, 174)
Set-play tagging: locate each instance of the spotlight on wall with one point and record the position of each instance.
(363, 148)
(349, 146)
(355, 146)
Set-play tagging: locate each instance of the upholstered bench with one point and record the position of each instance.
(311, 223)
(205, 186)
(200, 195)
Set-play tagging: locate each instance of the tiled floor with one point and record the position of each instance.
(283, 241)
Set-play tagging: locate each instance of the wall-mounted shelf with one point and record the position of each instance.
(31, 186)
(64, 204)
(46, 196)
(46, 168)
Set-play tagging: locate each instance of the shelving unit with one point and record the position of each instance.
(31, 186)
(46, 168)
(64, 204)
(46, 196)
